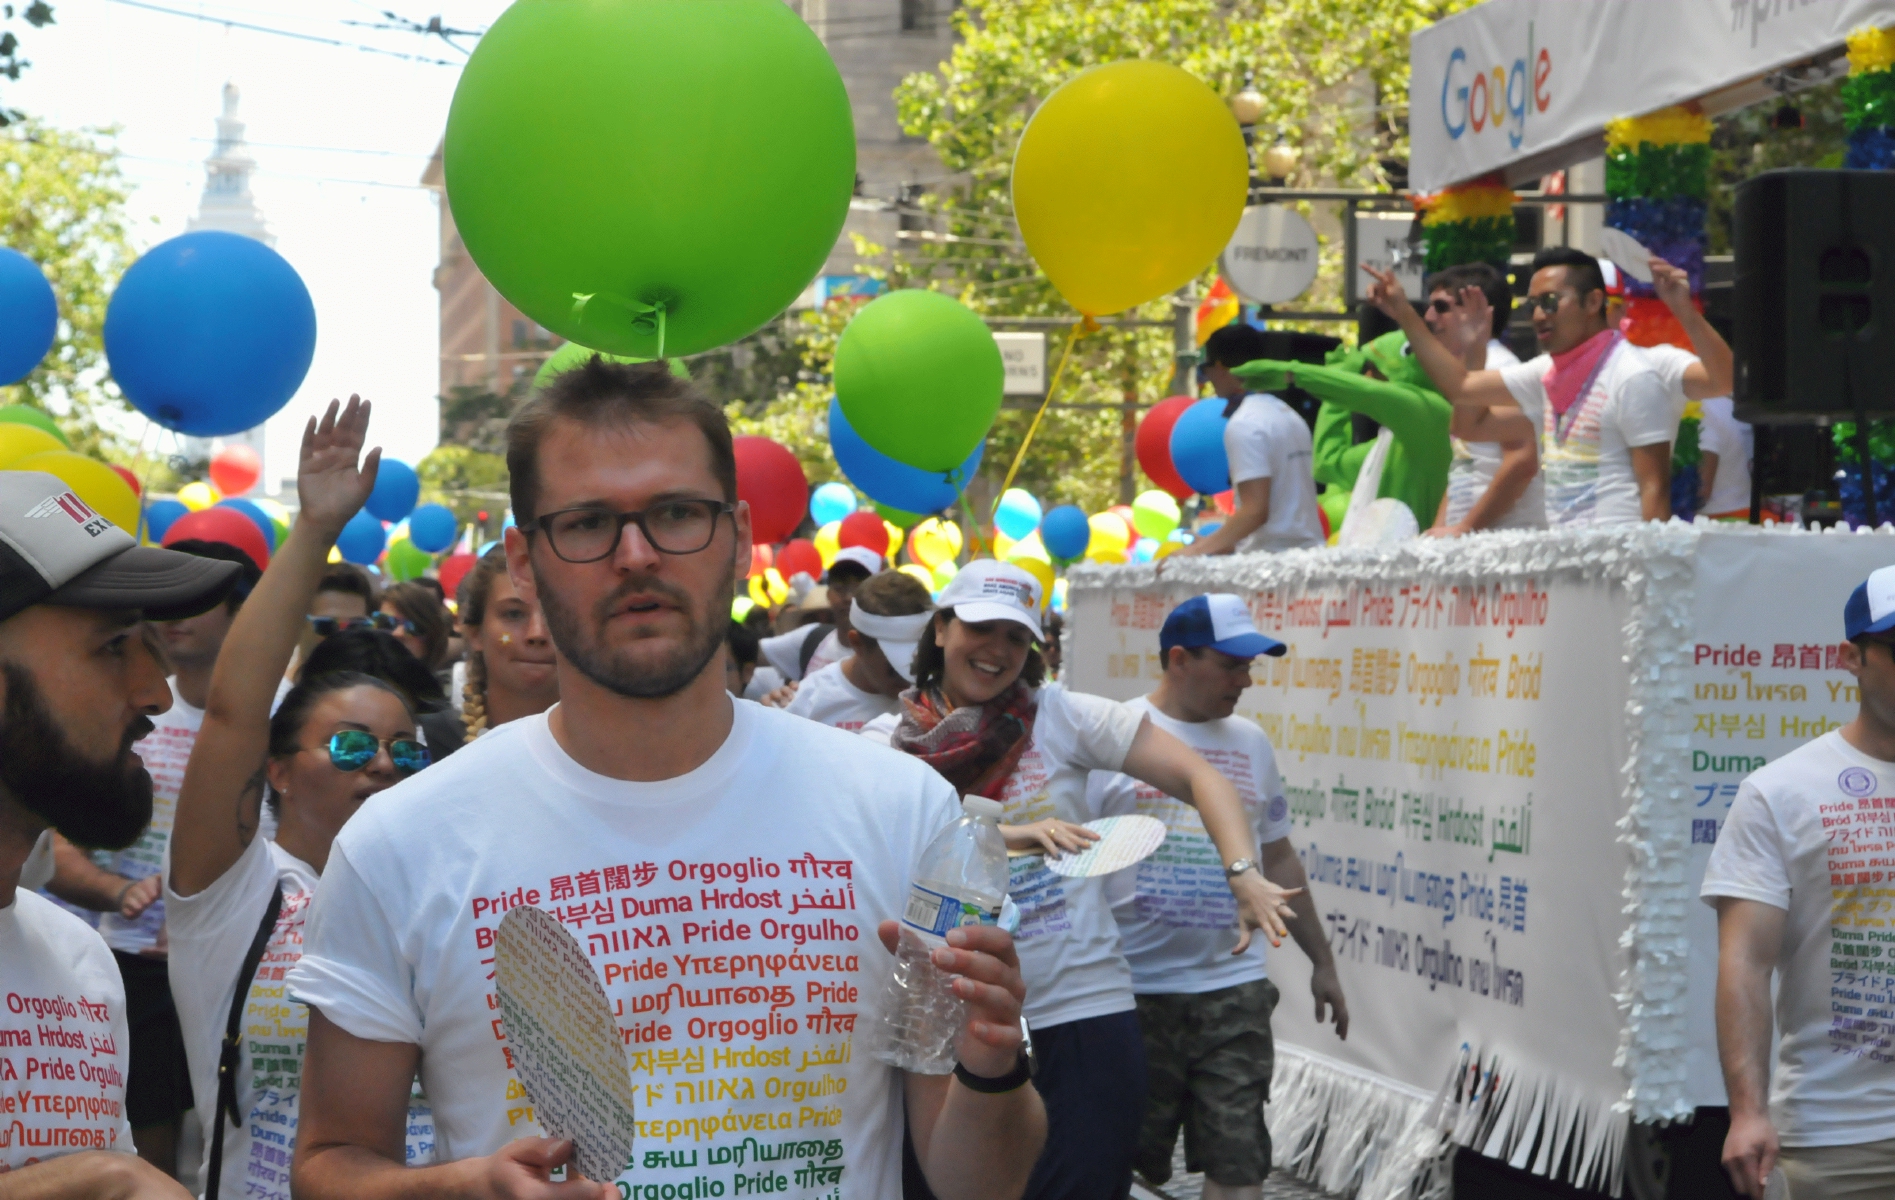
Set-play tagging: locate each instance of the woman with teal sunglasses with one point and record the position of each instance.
(337, 739)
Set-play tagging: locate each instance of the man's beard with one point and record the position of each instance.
(614, 670)
(99, 805)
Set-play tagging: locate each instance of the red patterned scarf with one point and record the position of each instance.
(1573, 372)
(975, 747)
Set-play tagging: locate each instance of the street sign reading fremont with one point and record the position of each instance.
(1273, 255)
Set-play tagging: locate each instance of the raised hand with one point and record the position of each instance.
(330, 485)
(1671, 283)
(1386, 293)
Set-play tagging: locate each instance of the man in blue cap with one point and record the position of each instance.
(1800, 875)
(1204, 1011)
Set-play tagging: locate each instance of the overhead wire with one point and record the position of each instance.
(287, 33)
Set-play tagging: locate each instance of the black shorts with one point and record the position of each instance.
(158, 1090)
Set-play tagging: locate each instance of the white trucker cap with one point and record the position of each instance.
(986, 590)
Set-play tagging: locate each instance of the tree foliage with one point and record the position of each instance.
(62, 204)
(468, 481)
(36, 13)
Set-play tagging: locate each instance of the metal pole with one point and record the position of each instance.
(1184, 344)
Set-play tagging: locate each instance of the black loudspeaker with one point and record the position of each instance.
(1814, 303)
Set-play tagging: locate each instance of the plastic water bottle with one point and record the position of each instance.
(960, 880)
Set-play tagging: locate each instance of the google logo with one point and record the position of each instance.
(1496, 97)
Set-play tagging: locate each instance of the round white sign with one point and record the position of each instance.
(1273, 255)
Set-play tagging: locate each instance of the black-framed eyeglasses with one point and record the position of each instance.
(353, 749)
(588, 534)
(330, 626)
(1547, 302)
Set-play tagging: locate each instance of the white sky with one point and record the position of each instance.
(366, 252)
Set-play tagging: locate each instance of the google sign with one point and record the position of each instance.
(1494, 98)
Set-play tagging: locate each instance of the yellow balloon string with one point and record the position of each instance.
(1084, 327)
(973, 522)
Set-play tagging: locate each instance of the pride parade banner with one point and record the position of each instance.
(1507, 758)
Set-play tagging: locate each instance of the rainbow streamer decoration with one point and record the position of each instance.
(1657, 179)
(1468, 222)
(1218, 309)
(1868, 98)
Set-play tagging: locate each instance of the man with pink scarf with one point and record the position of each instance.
(1603, 417)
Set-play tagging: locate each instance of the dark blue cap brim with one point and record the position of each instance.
(1249, 645)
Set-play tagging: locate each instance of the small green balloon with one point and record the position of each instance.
(898, 518)
(25, 414)
(406, 560)
(572, 354)
(919, 376)
(622, 169)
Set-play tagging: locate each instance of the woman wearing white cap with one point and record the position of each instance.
(979, 715)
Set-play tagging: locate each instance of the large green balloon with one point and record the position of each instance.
(407, 561)
(572, 354)
(919, 376)
(26, 414)
(606, 159)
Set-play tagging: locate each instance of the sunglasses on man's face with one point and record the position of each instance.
(353, 749)
(1546, 302)
(1442, 306)
(330, 626)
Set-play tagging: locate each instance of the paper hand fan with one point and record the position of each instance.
(566, 1046)
(1624, 250)
(1122, 842)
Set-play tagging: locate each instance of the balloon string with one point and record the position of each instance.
(660, 306)
(973, 522)
(1052, 385)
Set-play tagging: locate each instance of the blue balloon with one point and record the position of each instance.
(1064, 532)
(29, 315)
(484, 547)
(257, 516)
(160, 514)
(397, 487)
(1143, 549)
(1206, 530)
(1018, 513)
(432, 527)
(1197, 447)
(210, 333)
(362, 539)
(831, 502)
(894, 484)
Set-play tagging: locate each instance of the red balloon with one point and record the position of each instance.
(760, 561)
(236, 469)
(225, 525)
(130, 479)
(801, 556)
(1154, 444)
(771, 482)
(864, 528)
(452, 570)
(1226, 501)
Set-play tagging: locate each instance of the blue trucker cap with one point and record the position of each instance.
(1219, 620)
(1871, 607)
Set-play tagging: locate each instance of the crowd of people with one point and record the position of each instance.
(299, 804)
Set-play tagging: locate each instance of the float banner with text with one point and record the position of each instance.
(1489, 754)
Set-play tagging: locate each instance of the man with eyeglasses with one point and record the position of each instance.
(1205, 1012)
(1604, 418)
(733, 872)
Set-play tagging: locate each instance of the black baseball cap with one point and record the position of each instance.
(55, 550)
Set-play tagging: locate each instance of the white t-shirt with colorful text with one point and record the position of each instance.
(827, 696)
(64, 1049)
(731, 913)
(1813, 834)
(1177, 917)
(1586, 454)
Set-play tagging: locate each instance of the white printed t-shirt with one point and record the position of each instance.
(164, 750)
(783, 651)
(1177, 917)
(1472, 470)
(210, 932)
(1265, 439)
(828, 697)
(1813, 834)
(731, 912)
(64, 1049)
(1585, 456)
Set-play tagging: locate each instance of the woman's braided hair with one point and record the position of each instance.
(471, 600)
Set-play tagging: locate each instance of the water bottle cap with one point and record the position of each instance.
(982, 809)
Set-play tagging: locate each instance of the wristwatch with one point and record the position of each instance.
(1239, 867)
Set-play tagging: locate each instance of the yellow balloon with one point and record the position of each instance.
(768, 589)
(198, 496)
(1166, 550)
(17, 441)
(944, 574)
(1109, 542)
(826, 543)
(1003, 545)
(916, 571)
(895, 534)
(1030, 546)
(103, 489)
(933, 542)
(1129, 181)
(1041, 570)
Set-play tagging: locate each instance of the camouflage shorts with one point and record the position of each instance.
(1208, 1059)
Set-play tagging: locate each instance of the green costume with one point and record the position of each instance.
(1405, 403)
